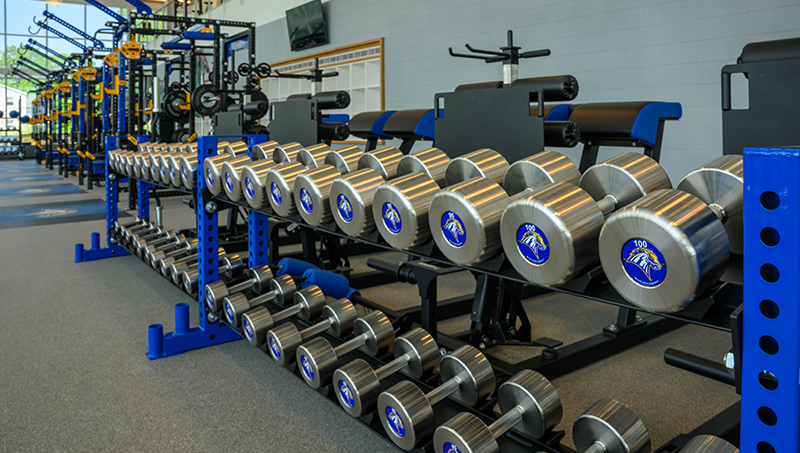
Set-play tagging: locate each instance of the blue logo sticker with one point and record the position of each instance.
(346, 393)
(185, 174)
(174, 273)
(395, 422)
(276, 193)
(644, 263)
(248, 329)
(229, 311)
(305, 201)
(532, 243)
(209, 177)
(450, 447)
(345, 210)
(210, 301)
(163, 170)
(307, 371)
(273, 346)
(228, 182)
(453, 229)
(391, 218)
(172, 173)
(248, 186)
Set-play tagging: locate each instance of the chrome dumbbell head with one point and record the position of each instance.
(550, 235)
(179, 248)
(286, 152)
(263, 151)
(407, 413)
(280, 182)
(484, 163)
(358, 385)
(231, 171)
(665, 249)
(351, 195)
(235, 305)
(705, 443)
(345, 160)
(311, 193)
(337, 318)
(313, 156)
(253, 183)
(530, 406)
(258, 280)
(610, 426)
(308, 304)
(318, 360)
(164, 244)
(465, 218)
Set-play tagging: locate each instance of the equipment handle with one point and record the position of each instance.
(698, 365)
(726, 91)
(535, 53)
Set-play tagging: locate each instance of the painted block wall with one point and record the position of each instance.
(620, 50)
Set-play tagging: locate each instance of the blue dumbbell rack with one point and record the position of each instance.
(771, 312)
(209, 332)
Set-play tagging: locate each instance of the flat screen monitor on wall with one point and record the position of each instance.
(306, 26)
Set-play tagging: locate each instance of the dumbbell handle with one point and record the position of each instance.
(286, 312)
(607, 204)
(719, 211)
(352, 345)
(189, 257)
(182, 248)
(597, 447)
(393, 367)
(507, 421)
(441, 392)
(249, 283)
(266, 297)
(316, 328)
(166, 238)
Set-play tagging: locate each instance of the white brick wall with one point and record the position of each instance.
(620, 50)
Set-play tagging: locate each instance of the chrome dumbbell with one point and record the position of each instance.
(216, 292)
(235, 305)
(308, 304)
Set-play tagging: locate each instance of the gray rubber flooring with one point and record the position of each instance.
(75, 377)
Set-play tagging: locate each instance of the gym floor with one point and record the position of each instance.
(75, 376)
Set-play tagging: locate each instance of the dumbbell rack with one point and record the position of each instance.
(713, 310)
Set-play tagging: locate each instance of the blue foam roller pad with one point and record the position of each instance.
(331, 284)
(292, 266)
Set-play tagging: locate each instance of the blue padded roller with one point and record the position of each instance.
(176, 46)
(292, 266)
(197, 36)
(331, 283)
(623, 121)
(336, 118)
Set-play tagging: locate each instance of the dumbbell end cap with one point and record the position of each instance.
(283, 342)
(406, 415)
(464, 433)
(614, 424)
(357, 387)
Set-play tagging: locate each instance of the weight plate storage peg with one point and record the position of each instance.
(312, 188)
(358, 385)
(216, 292)
(664, 250)
(465, 218)
(550, 235)
(529, 404)
(337, 318)
(235, 305)
(351, 195)
(610, 426)
(308, 305)
(407, 413)
(373, 334)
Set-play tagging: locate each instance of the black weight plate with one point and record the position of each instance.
(244, 69)
(206, 100)
(263, 70)
(253, 80)
(180, 135)
(172, 103)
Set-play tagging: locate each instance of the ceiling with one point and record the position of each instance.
(117, 3)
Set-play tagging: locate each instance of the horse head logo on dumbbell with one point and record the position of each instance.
(644, 258)
(276, 193)
(345, 210)
(534, 241)
(452, 224)
(391, 218)
(305, 200)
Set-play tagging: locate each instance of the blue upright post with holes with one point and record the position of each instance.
(257, 225)
(112, 213)
(771, 314)
(143, 199)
